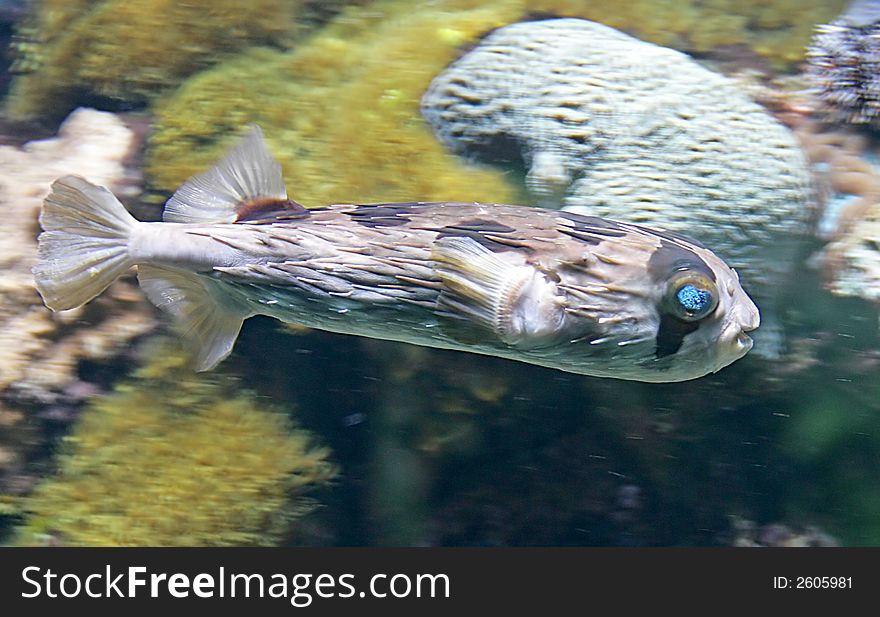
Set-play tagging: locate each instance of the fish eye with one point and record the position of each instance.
(691, 297)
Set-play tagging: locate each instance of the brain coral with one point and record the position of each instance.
(174, 459)
(612, 126)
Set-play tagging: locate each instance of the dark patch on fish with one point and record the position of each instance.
(590, 229)
(489, 234)
(671, 258)
(671, 333)
(383, 215)
(481, 226)
(594, 224)
(582, 236)
(269, 210)
(676, 237)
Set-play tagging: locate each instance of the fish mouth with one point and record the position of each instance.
(753, 322)
(738, 343)
(743, 341)
(735, 348)
(747, 322)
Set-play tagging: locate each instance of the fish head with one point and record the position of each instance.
(663, 308)
(702, 313)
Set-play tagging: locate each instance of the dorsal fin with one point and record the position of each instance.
(247, 182)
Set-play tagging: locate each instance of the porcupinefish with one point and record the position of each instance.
(577, 293)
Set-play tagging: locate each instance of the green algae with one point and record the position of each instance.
(174, 459)
(131, 50)
(340, 112)
(778, 30)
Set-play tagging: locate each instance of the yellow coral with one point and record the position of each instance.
(132, 49)
(778, 30)
(173, 459)
(341, 110)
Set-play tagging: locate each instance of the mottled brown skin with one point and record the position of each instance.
(373, 270)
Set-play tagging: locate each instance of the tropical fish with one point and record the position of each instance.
(577, 293)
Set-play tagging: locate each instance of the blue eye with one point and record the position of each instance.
(693, 300)
(692, 297)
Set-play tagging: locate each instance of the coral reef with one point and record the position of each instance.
(10, 12)
(130, 50)
(843, 65)
(69, 53)
(845, 179)
(172, 458)
(853, 260)
(341, 110)
(39, 350)
(611, 126)
(644, 465)
(844, 164)
(849, 183)
(777, 31)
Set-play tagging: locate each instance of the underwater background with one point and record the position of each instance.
(309, 438)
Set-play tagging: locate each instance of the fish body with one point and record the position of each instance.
(576, 293)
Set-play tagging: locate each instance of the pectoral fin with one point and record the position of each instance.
(505, 296)
(210, 322)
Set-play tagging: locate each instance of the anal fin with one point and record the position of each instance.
(210, 322)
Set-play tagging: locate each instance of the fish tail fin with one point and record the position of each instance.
(84, 244)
